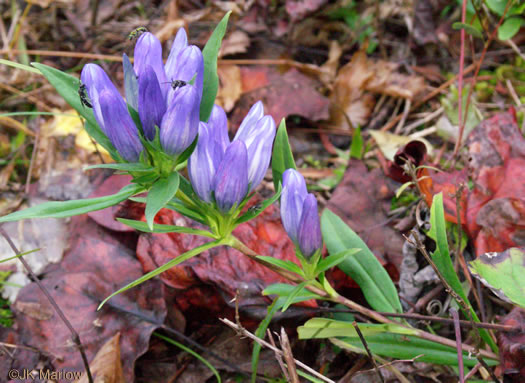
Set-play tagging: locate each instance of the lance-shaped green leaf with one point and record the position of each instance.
(363, 267)
(328, 328)
(158, 228)
(282, 264)
(503, 274)
(211, 79)
(443, 262)
(125, 167)
(67, 86)
(159, 195)
(334, 259)
(63, 209)
(168, 265)
(282, 157)
(399, 346)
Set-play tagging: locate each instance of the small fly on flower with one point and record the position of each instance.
(83, 96)
(137, 32)
(177, 84)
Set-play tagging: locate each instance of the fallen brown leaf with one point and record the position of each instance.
(107, 367)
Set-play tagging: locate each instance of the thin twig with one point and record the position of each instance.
(457, 330)
(460, 78)
(365, 345)
(473, 371)
(278, 356)
(74, 334)
(392, 363)
(241, 330)
(478, 67)
(288, 356)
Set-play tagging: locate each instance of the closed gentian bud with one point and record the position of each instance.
(231, 179)
(179, 43)
(131, 86)
(120, 128)
(189, 64)
(151, 103)
(180, 123)
(203, 163)
(292, 198)
(218, 124)
(309, 236)
(148, 51)
(259, 146)
(255, 114)
(96, 80)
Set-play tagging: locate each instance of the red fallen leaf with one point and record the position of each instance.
(493, 212)
(282, 94)
(298, 10)
(511, 347)
(224, 268)
(106, 217)
(96, 265)
(366, 214)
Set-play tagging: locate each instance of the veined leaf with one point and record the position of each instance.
(364, 268)
(282, 263)
(334, 259)
(328, 328)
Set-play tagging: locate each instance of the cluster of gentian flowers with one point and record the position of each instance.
(150, 90)
(166, 98)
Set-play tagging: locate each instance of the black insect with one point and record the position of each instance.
(83, 96)
(137, 32)
(178, 84)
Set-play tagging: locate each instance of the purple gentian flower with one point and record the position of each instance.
(217, 170)
(299, 213)
(149, 90)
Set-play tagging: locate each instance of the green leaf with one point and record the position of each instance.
(127, 167)
(284, 290)
(67, 86)
(211, 79)
(399, 346)
(158, 228)
(334, 259)
(509, 28)
(62, 209)
(319, 328)
(19, 66)
(255, 211)
(159, 195)
(282, 264)
(503, 274)
(19, 255)
(356, 149)
(365, 269)
(168, 265)
(468, 28)
(282, 157)
(442, 260)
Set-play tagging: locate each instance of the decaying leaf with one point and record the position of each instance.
(95, 266)
(235, 42)
(230, 86)
(390, 143)
(493, 210)
(359, 79)
(503, 274)
(512, 351)
(107, 367)
(282, 94)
